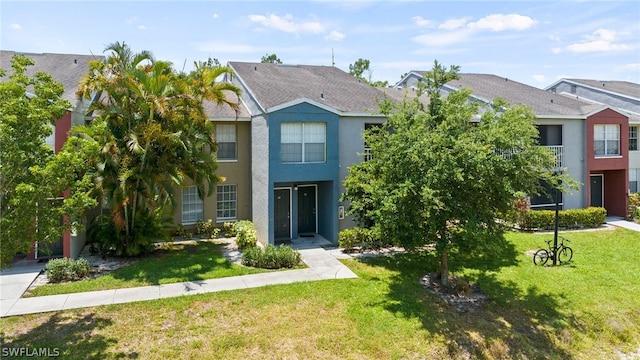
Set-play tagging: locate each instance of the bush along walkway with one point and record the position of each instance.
(321, 266)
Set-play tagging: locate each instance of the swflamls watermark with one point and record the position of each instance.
(39, 352)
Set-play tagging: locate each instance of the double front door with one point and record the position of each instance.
(305, 214)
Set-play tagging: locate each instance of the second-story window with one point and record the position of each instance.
(633, 138)
(226, 139)
(606, 140)
(303, 142)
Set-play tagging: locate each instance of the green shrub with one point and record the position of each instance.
(207, 228)
(64, 269)
(271, 257)
(229, 229)
(590, 217)
(363, 237)
(634, 206)
(246, 236)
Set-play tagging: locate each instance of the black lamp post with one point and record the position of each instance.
(555, 232)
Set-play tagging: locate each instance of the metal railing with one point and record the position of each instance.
(558, 151)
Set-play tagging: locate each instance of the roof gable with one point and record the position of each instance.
(621, 88)
(486, 88)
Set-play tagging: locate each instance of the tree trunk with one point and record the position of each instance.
(444, 269)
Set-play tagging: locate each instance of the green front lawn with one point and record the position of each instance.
(588, 309)
(171, 263)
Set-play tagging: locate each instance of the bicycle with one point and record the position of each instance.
(564, 253)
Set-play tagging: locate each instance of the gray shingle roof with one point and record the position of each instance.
(224, 111)
(621, 87)
(274, 85)
(544, 103)
(68, 69)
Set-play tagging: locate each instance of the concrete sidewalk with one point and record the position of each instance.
(621, 222)
(16, 280)
(321, 266)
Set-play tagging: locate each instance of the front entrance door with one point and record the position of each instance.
(52, 250)
(282, 214)
(307, 210)
(597, 191)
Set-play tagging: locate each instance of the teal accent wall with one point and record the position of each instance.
(325, 175)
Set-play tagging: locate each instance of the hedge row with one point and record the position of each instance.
(271, 257)
(591, 217)
(364, 238)
(65, 269)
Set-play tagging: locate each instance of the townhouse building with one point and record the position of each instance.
(621, 95)
(590, 140)
(67, 69)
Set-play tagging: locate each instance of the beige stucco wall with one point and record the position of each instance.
(235, 172)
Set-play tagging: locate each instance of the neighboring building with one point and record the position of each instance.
(67, 69)
(590, 140)
(622, 95)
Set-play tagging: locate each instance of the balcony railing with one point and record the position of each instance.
(558, 151)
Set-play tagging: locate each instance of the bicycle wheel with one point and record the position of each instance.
(541, 257)
(565, 254)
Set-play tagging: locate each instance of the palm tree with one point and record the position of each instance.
(154, 133)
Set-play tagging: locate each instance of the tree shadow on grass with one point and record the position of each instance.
(67, 335)
(513, 322)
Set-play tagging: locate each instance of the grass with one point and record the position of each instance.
(170, 263)
(587, 309)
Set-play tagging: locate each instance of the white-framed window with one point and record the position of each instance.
(607, 140)
(633, 138)
(303, 142)
(191, 205)
(226, 203)
(226, 140)
(634, 180)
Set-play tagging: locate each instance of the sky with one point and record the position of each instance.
(536, 43)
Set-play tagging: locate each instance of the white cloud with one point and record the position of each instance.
(335, 35)
(458, 30)
(453, 24)
(501, 22)
(442, 38)
(287, 24)
(142, 27)
(16, 26)
(215, 16)
(601, 40)
(420, 21)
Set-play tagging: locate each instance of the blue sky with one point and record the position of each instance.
(532, 42)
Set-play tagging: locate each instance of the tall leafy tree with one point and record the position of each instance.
(33, 179)
(271, 58)
(153, 134)
(361, 70)
(437, 177)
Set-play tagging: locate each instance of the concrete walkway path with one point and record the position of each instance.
(321, 266)
(621, 222)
